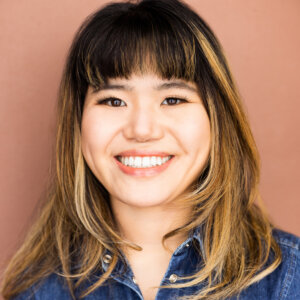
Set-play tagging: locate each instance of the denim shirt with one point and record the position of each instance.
(283, 283)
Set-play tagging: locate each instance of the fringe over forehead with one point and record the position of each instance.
(159, 36)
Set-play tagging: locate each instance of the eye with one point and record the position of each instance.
(114, 102)
(174, 100)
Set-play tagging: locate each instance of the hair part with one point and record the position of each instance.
(169, 39)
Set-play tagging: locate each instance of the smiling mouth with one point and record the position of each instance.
(142, 162)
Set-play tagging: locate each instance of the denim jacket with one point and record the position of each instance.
(283, 283)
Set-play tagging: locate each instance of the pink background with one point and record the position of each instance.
(262, 42)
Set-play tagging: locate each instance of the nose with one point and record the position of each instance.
(143, 125)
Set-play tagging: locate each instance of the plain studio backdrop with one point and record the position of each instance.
(261, 40)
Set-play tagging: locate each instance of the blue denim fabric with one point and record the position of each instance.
(283, 283)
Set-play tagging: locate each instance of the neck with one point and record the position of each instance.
(146, 226)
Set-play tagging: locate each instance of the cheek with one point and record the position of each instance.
(194, 130)
(96, 133)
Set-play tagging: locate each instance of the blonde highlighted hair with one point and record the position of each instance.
(76, 224)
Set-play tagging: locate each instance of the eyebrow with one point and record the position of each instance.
(159, 87)
(175, 84)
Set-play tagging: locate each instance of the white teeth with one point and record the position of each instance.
(126, 161)
(153, 160)
(138, 162)
(130, 161)
(165, 159)
(143, 162)
(146, 162)
(159, 160)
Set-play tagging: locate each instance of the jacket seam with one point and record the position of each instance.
(289, 276)
(288, 244)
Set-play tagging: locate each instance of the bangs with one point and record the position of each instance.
(138, 40)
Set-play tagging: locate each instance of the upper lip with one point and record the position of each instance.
(134, 152)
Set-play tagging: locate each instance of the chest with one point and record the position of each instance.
(149, 271)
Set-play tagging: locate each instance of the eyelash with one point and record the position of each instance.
(110, 99)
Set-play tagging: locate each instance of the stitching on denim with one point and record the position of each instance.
(127, 282)
(288, 243)
(289, 276)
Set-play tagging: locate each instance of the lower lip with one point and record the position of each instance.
(144, 171)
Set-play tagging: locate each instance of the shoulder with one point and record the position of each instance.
(284, 282)
(49, 288)
(289, 270)
(287, 241)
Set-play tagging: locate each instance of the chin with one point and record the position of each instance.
(144, 201)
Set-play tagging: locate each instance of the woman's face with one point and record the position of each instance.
(143, 121)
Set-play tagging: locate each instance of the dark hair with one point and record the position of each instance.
(123, 38)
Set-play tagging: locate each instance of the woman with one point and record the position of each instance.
(156, 173)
